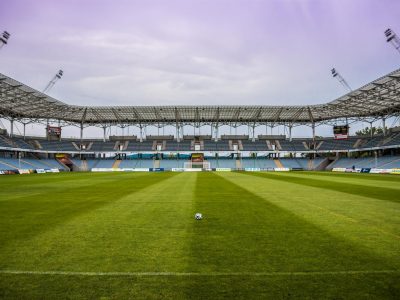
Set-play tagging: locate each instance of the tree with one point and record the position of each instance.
(367, 131)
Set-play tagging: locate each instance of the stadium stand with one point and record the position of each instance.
(387, 162)
(222, 162)
(296, 145)
(276, 150)
(28, 163)
(171, 163)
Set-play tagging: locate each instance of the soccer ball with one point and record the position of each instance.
(198, 216)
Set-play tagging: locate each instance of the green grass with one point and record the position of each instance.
(264, 235)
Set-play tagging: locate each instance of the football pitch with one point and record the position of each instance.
(262, 236)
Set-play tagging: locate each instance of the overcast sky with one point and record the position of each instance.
(197, 52)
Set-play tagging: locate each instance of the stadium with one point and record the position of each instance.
(200, 201)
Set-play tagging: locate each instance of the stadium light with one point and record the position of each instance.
(4, 39)
(392, 38)
(336, 74)
(53, 81)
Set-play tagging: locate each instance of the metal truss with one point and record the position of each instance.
(376, 100)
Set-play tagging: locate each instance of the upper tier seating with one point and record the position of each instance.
(306, 144)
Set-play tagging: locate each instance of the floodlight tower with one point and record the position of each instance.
(53, 81)
(392, 38)
(4, 39)
(336, 74)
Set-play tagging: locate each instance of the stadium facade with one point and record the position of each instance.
(378, 100)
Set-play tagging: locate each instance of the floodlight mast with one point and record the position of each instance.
(53, 81)
(4, 39)
(392, 38)
(336, 74)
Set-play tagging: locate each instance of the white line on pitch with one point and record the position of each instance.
(304, 273)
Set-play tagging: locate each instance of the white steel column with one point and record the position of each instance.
(384, 126)
(12, 127)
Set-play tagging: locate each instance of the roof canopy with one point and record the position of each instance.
(380, 98)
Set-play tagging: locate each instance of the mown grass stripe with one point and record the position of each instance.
(357, 176)
(349, 218)
(21, 221)
(349, 180)
(295, 273)
(375, 192)
(252, 233)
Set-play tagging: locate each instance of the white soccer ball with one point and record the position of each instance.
(198, 216)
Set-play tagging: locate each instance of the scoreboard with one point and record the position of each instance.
(53, 133)
(341, 132)
(197, 157)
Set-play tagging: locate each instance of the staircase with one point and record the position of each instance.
(357, 143)
(240, 145)
(310, 164)
(84, 166)
(66, 168)
(278, 163)
(156, 163)
(36, 144)
(154, 146)
(116, 164)
(230, 145)
(319, 145)
(269, 146)
(202, 145)
(330, 164)
(238, 163)
(278, 145)
(75, 146)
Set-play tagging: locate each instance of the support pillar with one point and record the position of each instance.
(254, 136)
(24, 129)
(104, 133)
(290, 133)
(370, 129)
(313, 131)
(81, 132)
(314, 145)
(141, 133)
(12, 127)
(178, 138)
(80, 145)
(216, 133)
(384, 126)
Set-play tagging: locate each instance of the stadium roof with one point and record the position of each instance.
(380, 98)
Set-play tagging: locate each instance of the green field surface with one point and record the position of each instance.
(294, 235)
